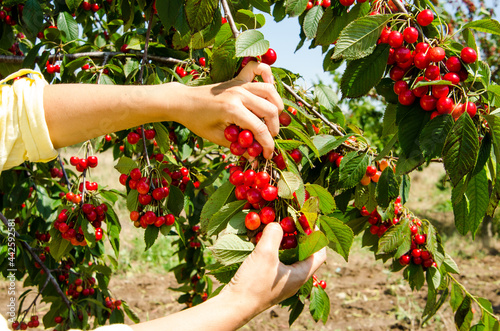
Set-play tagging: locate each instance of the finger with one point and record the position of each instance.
(253, 69)
(262, 108)
(248, 120)
(266, 91)
(309, 266)
(270, 241)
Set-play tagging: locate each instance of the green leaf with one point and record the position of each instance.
(463, 316)
(200, 13)
(175, 201)
(433, 277)
(67, 24)
(288, 145)
(326, 201)
(132, 202)
(484, 25)
(262, 5)
(477, 194)
(168, 11)
(219, 220)
(162, 137)
(311, 21)
(225, 273)
(214, 203)
(125, 165)
(410, 128)
(363, 74)
(360, 37)
(251, 43)
(460, 209)
(72, 5)
(319, 304)
(387, 187)
(326, 96)
(236, 224)
(59, 247)
(352, 171)
(150, 236)
(494, 124)
(33, 17)
(389, 122)
(460, 149)
(295, 7)
(339, 234)
(249, 19)
(434, 134)
(414, 274)
(130, 313)
(231, 249)
(288, 184)
(223, 63)
(386, 89)
(450, 265)
(310, 244)
(327, 143)
(394, 237)
(456, 296)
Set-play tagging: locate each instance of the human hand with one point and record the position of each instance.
(263, 281)
(210, 109)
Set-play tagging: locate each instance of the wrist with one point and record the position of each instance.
(245, 307)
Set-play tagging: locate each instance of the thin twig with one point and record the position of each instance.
(64, 172)
(26, 311)
(230, 19)
(104, 62)
(18, 59)
(42, 265)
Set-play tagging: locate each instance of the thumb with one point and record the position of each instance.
(270, 241)
(253, 69)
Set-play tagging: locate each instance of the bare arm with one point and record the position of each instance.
(261, 282)
(77, 112)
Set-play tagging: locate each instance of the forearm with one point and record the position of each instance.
(223, 312)
(77, 112)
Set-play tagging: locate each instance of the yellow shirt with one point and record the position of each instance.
(24, 135)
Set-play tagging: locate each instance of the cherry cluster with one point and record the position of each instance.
(372, 174)
(52, 68)
(80, 287)
(66, 223)
(183, 71)
(242, 141)
(87, 6)
(42, 237)
(82, 164)
(56, 173)
(323, 3)
(180, 178)
(317, 283)
(8, 14)
(134, 136)
(152, 193)
(378, 225)
(428, 62)
(32, 323)
(112, 303)
(418, 254)
(193, 240)
(269, 57)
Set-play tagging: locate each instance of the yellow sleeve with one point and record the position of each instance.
(24, 135)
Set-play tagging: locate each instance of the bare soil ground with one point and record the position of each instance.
(364, 294)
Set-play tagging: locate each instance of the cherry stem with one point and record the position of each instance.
(42, 265)
(64, 172)
(84, 174)
(26, 311)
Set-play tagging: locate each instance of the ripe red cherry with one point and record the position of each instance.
(440, 91)
(252, 221)
(92, 161)
(421, 60)
(425, 17)
(420, 239)
(267, 215)
(237, 149)
(135, 174)
(123, 179)
(422, 47)
(95, 7)
(384, 36)
(296, 155)
(254, 195)
(249, 177)
(289, 242)
(255, 149)
(458, 110)
(285, 119)
(169, 219)
(245, 138)
(463, 74)
(444, 105)
(410, 35)
(58, 319)
(422, 90)
(436, 54)
(202, 61)
(402, 55)
(142, 187)
(181, 71)
(150, 134)
(133, 138)
(280, 161)
(346, 3)
(453, 64)
(371, 170)
(417, 252)
(338, 161)
(237, 178)
(426, 255)
(432, 72)
(288, 225)
(158, 193)
(241, 192)
(414, 229)
(269, 57)
(231, 133)
(428, 102)
(262, 179)
(310, 4)
(269, 193)
(74, 160)
(86, 5)
(404, 260)
(468, 55)
(471, 108)
(406, 98)
(452, 77)
(396, 39)
(144, 199)
(400, 86)
(397, 73)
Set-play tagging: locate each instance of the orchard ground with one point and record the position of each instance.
(364, 294)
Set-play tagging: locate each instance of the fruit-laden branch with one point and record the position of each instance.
(42, 265)
(26, 311)
(230, 19)
(17, 59)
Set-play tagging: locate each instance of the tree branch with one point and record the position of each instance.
(230, 19)
(44, 268)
